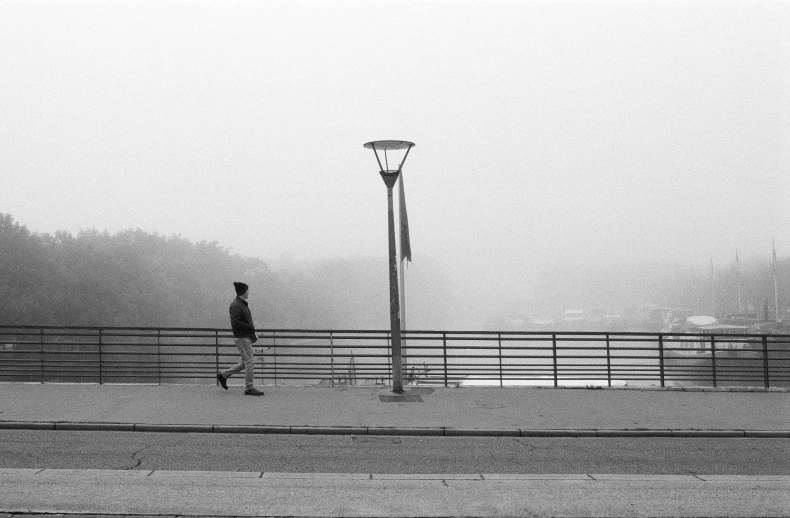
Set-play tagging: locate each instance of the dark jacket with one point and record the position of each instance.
(241, 320)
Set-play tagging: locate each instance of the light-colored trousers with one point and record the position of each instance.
(247, 363)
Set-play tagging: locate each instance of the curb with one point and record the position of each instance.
(391, 431)
(98, 427)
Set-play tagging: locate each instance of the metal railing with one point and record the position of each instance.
(353, 357)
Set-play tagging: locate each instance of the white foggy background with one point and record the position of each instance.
(547, 133)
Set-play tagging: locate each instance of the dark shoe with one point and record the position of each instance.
(221, 380)
(253, 392)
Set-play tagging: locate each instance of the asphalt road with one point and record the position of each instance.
(368, 454)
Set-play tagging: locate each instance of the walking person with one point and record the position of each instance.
(244, 332)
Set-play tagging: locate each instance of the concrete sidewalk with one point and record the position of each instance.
(376, 410)
(205, 494)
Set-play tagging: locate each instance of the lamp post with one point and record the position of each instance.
(390, 176)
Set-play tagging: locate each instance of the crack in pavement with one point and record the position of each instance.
(139, 460)
(530, 447)
(35, 458)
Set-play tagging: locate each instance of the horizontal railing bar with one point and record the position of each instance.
(301, 333)
(416, 348)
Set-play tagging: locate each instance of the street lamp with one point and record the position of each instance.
(390, 176)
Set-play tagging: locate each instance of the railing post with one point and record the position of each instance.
(444, 347)
(661, 357)
(554, 358)
(765, 362)
(216, 353)
(159, 356)
(608, 361)
(101, 358)
(389, 355)
(713, 358)
(41, 354)
(274, 355)
(332, 357)
(501, 382)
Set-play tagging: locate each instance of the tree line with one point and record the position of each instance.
(139, 279)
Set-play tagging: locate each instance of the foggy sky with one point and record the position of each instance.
(582, 132)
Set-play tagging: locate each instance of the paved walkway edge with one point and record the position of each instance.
(373, 430)
(489, 477)
(635, 388)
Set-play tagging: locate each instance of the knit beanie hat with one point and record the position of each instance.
(241, 288)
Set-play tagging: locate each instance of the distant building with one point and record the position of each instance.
(574, 317)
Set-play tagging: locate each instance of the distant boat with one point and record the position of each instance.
(695, 321)
(574, 317)
(739, 359)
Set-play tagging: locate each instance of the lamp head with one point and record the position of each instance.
(398, 149)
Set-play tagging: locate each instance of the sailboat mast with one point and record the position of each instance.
(712, 288)
(738, 278)
(776, 283)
